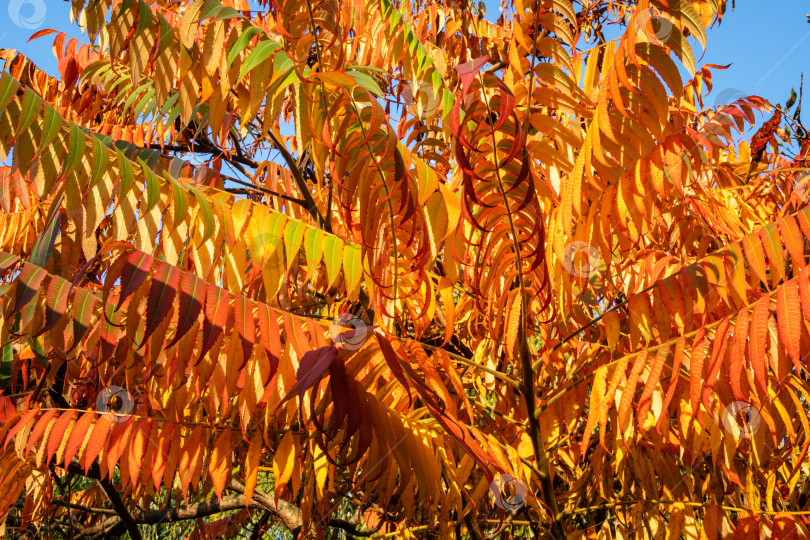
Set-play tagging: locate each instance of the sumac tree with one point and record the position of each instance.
(323, 268)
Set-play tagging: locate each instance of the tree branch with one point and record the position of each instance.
(115, 499)
(299, 178)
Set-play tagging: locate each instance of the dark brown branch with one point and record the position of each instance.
(299, 178)
(75, 506)
(287, 513)
(267, 191)
(206, 149)
(115, 499)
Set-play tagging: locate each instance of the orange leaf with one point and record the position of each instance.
(137, 448)
(629, 389)
(788, 317)
(80, 431)
(711, 523)
(39, 429)
(192, 449)
(738, 353)
(645, 401)
(758, 338)
(97, 440)
(58, 432)
(696, 370)
(220, 462)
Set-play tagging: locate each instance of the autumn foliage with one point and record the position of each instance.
(342, 267)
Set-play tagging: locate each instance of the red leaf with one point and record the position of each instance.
(271, 340)
(69, 70)
(29, 283)
(6, 262)
(136, 268)
(192, 296)
(804, 291)
(118, 439)
(173, 456)
(217, 311)
(711, 522)
(785, 527)
(245, 326)
(41, 33)
(312, 366)
(161, 297)
(56, 297)
(468, 70)
(392, 360)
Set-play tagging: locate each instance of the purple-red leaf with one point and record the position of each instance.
(161, 297)
(135, 270)
(217, 311)
(29, 283)
(245, 326)
(313, 365)
(192, 296)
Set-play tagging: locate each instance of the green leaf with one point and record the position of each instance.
(259, 54)
(282, 66)
(6, 366)
(8, 88)
(313, 244)
(45, 241)
(31, 105)
(791, 100)
(167, 106)
(50, 126)
(366, 82)
(75, 149)
(333, 257)
(144, 17)
(352, 266)
(207, 214)
(293, 238)
(101, 160)
(213, 9)
(241, 42)
(38, 350)
(7, 358)
(127, 175)
(152, 187)
(180, 201)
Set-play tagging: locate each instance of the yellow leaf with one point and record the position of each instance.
(252, 465)
(284, 459)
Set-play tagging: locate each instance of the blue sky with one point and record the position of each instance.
(767, 43)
